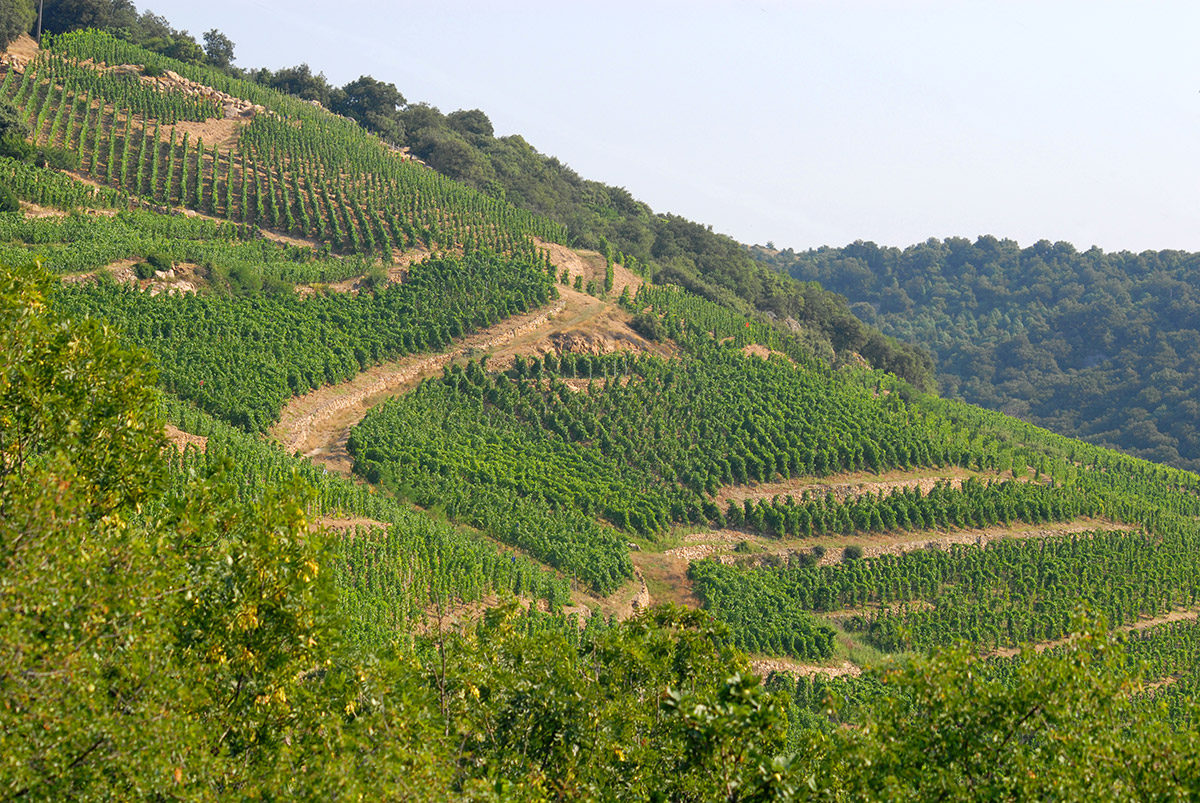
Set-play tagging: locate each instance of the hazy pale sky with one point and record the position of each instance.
(804, 123)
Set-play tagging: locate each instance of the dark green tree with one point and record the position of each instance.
(16, 18)
(218, 48)
(372, 103)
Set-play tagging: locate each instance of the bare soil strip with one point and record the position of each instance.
(183, 277)
(342, 524)
(720, 543)
(666, 572)
(843, 486)
(590, 265)
(1181, 615)
(318, 423)
(181, 440)
(765, 666)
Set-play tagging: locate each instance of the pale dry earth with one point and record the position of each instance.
(317, 424)
(765, 666)
(181, 440)
(845, 486)
(666, 571)
(1181, 615)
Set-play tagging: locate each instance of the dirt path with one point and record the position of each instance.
(666, 571)
(343, 524)
(765, 666)
(721, 543)
(843, 486)
(1182, 615)
(318, 424)
(181, 440)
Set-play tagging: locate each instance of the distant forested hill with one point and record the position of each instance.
(1101, 346)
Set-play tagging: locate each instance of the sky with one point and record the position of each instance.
(803, 123)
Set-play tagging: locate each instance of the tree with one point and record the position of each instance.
(60, 16)
(218, 48)
(301, 82)
(16, 18)
(1065, 727)
(372, 103)
(473, 124)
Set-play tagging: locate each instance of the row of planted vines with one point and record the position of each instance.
(292, 167)
(242, 358)
(394, 565)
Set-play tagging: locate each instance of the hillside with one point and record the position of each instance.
(1096, 345)
(325, 476)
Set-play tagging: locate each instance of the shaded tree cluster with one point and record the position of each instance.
(1096, 345)
(147, 29)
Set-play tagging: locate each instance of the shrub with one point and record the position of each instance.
(160, 261)
(852, 553)
(14, 145)
(648, 326)
(57, 158)
(8, 200)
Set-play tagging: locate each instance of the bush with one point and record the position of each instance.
(12, 144)
(376, 278)
(852, 553)
(8, 200)
(160, 261)
(648, 326)
(153, 71)
(57, 158)
(277, 286)
(143, 270)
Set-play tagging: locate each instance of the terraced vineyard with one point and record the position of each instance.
(289, 167)
(554, 444)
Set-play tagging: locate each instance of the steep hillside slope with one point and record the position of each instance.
(426, 470)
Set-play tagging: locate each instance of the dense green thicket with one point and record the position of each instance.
(1099, 346)
(242, 358)
(16, 18)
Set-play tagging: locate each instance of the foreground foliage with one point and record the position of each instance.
(162, 644)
